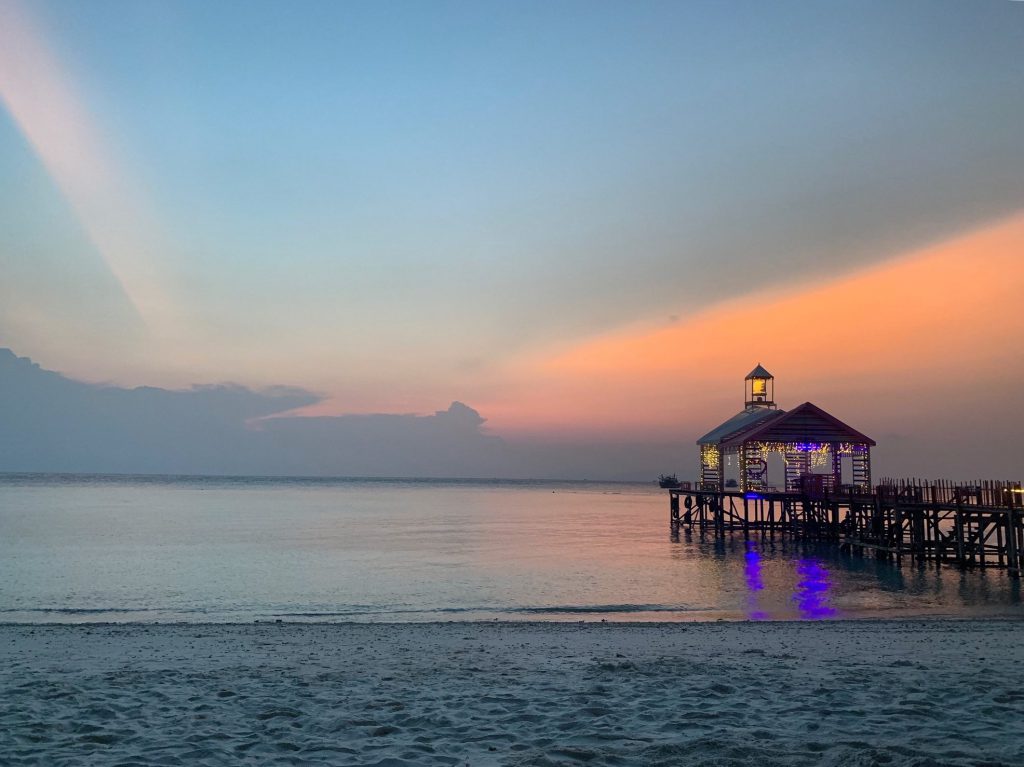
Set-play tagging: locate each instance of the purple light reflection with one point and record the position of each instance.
(812, 590)
(752, 573)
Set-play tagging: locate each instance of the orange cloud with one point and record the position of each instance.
(934, 326)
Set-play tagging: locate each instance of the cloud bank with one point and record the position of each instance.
(51, 423)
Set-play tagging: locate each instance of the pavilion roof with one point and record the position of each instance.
(806, 423)
(758, 372)
(742, 422)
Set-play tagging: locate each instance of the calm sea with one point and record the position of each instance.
(76, 548)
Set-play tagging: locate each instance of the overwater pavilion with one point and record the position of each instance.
(813, 445)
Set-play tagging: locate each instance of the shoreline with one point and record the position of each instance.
(888, 691)
(869, 619)
(83, 617)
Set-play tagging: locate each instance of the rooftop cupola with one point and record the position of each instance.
(760, 389)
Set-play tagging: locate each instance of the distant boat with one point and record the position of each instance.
(668, 480)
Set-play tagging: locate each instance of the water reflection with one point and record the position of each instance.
(766, 578)
(755, 583)
(225, 550)
(812, 590)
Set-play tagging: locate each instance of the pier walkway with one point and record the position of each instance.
(968, 525)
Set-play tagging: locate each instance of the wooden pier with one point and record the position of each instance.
(965, 524)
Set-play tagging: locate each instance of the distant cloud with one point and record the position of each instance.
(50, 423)
(446, 444)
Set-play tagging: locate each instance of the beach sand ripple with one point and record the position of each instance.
(865, 694)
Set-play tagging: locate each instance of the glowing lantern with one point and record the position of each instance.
(760, 388)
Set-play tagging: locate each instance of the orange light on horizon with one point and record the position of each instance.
(868, 338)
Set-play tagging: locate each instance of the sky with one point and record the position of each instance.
(585, 220)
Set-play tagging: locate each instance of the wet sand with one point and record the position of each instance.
(830, 693)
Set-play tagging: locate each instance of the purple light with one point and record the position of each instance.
(807, 447)
(752, 571)
(751, 496)
(812, 590)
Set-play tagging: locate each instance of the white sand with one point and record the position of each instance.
(846, 693)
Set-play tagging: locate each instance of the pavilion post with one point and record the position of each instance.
(797, 464)
(862, 467)
(837, 467)
(744, 479)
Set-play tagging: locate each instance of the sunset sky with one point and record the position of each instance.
(586, 220)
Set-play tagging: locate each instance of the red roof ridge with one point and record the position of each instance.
(774, 423)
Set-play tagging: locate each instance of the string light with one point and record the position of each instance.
(754, 454)
(843, 448)
(755, 451)
(709, 456)
(818, 453)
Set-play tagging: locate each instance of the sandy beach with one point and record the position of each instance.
(833, 693)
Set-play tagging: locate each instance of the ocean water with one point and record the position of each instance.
(78, 549)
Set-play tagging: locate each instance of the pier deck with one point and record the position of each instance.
(968, 525)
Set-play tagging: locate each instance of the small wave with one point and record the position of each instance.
(79, 610)
(584, 609)
(493, 609)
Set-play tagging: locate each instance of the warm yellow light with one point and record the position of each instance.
(710, 456)
(760, 386)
